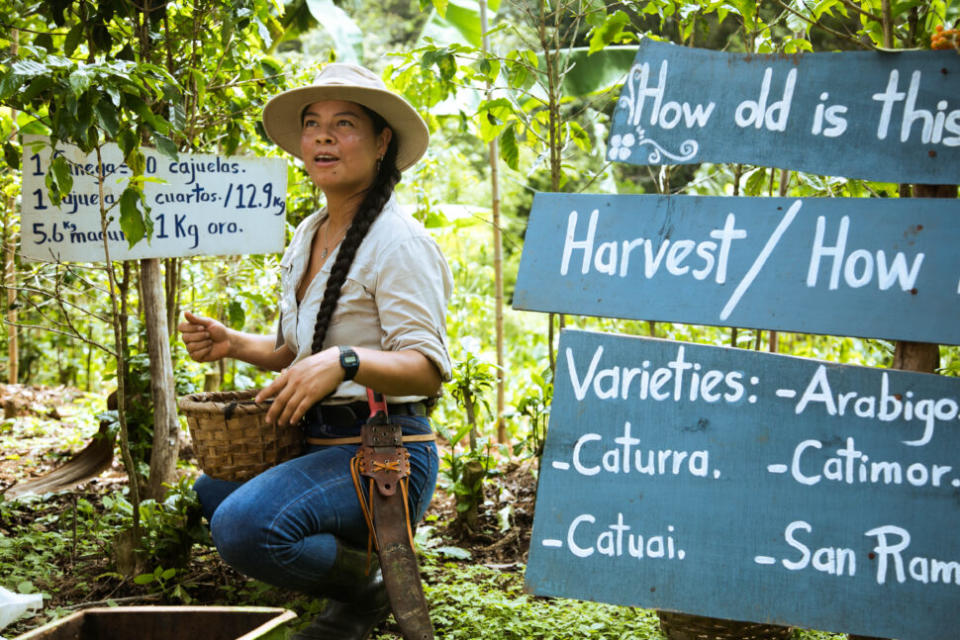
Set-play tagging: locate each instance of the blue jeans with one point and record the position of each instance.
(283, 526)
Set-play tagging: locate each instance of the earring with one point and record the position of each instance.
(379, 162)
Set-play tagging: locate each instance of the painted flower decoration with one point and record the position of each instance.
(620, 146)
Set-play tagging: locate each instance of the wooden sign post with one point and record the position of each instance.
(872, 267)
(735, 484)
(200, 204)
(743, 485)
(882, 116)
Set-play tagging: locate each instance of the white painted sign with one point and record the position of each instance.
(200, 204)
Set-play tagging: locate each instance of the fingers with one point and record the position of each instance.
(294, 391)
(295, 408)
(196, 339)
(203, 340)
(273, 388)
(302, 385)
(195, 319)
(280, 392)
(194, 323)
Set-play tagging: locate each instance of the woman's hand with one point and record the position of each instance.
(301, 386)
(206, 339)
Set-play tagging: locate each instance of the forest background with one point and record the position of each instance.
(519, 98)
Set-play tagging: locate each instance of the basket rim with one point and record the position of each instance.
(216, 402)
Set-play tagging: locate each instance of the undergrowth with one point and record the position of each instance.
(480, 603)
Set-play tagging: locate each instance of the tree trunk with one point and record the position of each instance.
(166, 429)
(10, 282)
(497, 250)
(172, 283)
(10, 264)
(471, 419)
(473, 475)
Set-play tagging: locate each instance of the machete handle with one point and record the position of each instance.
(378, 404)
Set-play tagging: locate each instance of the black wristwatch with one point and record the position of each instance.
(349, 361)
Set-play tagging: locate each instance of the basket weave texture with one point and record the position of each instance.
(684, 626)
(231, 439)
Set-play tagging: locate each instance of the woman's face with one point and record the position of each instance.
(339, 146)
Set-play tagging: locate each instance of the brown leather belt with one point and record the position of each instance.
(331, 442)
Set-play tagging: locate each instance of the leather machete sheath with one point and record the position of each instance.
(387, 462)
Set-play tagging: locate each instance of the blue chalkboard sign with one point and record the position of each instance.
(881, 116)
(873, 267)
(749, 486)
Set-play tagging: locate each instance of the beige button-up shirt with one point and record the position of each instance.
(395, 295)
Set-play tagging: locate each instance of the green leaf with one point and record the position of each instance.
(37, 86)
(596, 72)
(347, 36)
(101, 39)
(131, 219)
(144, 578)
(579, 135)
(795, 45)
(60, 169)
(72, 39)
(237, 316)
(748, 11)
(137, 162)
(455, 553)
(127, 141)
(80, 81)
(84, 117)
(459, 24)
(492, 117)
(165, 146)
(30, 68)
(9, 84)
(107, 116)
(11, 155)
(756, 182)
(611, 31)
(519, 75)
(509, 150)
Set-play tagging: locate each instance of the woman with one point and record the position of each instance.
(364, 294)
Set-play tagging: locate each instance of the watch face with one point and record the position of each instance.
(349, 361)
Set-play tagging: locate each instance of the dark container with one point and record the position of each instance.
(166, 623)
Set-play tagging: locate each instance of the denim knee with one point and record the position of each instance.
(211, 492)
(237, 533)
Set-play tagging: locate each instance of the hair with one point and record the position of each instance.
(373, 202)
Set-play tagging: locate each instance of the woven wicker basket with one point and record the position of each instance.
(231, 439)
(683, 626)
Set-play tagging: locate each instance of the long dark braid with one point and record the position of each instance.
(373, 202)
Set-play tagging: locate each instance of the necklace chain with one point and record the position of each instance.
(325, 250)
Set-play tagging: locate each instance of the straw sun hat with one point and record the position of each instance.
(343, 81)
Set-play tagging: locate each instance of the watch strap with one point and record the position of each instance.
(349, 361)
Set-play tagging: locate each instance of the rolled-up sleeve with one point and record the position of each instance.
(412, 292)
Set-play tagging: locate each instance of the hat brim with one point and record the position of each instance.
(281, 117)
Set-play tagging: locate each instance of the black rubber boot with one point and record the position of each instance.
(361, 600)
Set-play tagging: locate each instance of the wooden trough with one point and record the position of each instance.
(166, 623)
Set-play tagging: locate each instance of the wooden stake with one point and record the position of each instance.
(166, 428)
(497, 250)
